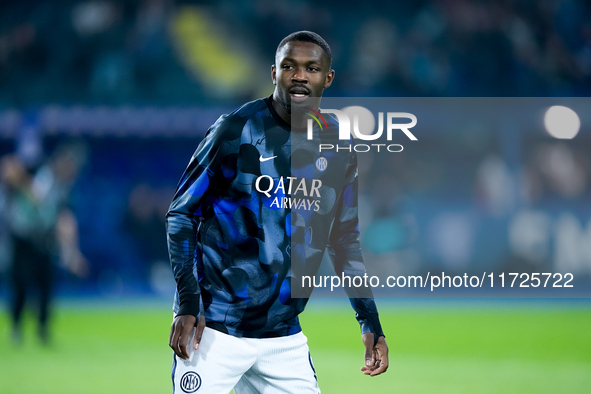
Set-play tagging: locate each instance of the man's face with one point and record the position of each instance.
(301, 71)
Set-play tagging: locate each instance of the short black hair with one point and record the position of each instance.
(308, 36)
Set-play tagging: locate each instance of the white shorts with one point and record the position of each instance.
(249, 365)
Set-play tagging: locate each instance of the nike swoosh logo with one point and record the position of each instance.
(266, 158)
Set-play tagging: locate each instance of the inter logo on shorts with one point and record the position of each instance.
(321, 163)
(190, 382)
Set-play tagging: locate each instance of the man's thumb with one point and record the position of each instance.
(368, 342)
(198, 332)
(196, 341)
(368, 362)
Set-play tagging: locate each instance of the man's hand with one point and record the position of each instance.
(181, 328)
(376, 357)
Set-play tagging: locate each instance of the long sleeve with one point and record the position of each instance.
(208, 173)
(345, 252)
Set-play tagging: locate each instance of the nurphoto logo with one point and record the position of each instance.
(346, 131)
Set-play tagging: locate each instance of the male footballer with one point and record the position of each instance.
(242, 217)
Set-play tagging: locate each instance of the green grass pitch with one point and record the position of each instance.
(434, 348)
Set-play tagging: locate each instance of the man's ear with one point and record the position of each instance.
(274, 74)
(328, 79)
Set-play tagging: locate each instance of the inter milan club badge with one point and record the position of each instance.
(190, 382)
(321, 163)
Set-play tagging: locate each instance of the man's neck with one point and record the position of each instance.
(280, 109)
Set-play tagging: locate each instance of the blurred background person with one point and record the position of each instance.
(40, 229)
(31, 262)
